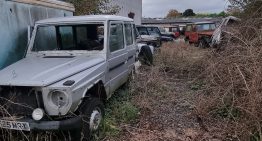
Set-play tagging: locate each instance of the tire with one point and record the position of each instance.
(186, 39)
(202, 43)
(196, 44)
(146, 55)
(91, 110)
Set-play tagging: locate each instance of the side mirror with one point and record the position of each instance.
(29, 33)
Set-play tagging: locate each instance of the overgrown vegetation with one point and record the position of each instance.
(233, 77)
(119, 110)
(172, 61)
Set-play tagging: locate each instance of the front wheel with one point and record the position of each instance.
(92, 112)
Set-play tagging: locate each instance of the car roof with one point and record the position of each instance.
(175, 26)
(147, 26)
(205, 22)
(72, 19)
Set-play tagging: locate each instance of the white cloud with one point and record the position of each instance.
(159, 8)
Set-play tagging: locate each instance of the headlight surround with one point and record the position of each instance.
(58, 98)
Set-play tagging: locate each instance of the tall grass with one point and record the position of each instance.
(233, 78)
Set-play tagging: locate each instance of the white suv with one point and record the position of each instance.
(73, 65)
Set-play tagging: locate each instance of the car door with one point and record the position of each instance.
(117, 56)
(193, 36)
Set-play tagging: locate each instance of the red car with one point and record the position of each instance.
(188, 30)
(174, 30)
(202, 33)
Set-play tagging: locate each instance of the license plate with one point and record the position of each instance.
(13, 125)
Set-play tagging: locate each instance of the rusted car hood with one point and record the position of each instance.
(208, 33)
(44, 71)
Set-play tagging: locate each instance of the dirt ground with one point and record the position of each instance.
(169, 116)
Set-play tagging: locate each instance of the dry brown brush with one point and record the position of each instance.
(172, 61)
(233, 78)
(182, 60)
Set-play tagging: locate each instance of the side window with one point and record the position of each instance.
(116, 39)
(67, 37)
(90, 37)
(128, 34)
(81, 34)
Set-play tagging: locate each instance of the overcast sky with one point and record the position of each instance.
(160, 8)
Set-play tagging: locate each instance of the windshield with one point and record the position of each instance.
(188, 27)
(69, 37)
(153, 31)
(204, 27)
(174, 29)
(162, 29)
(142, 30)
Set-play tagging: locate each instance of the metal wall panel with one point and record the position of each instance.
(14, 19)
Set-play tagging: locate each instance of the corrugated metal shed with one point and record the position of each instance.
(15, 16)
(49, 3)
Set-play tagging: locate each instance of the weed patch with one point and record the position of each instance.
(119, 110)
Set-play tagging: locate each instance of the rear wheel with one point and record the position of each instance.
(203, 43)
(196, 44)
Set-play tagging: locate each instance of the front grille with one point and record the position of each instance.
(18, 101)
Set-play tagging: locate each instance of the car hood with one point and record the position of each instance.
(208, 33)
(44, 71)
(153, 37)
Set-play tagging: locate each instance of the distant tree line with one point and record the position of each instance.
(173, 13)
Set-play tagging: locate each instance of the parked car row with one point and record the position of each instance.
(207, 33)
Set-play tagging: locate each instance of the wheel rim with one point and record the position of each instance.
(95, 119)
(201, 44)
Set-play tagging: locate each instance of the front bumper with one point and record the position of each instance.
(63, 125)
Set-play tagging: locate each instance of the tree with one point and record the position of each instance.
(233, 10)
(91, 7)
(239, 3)
(189, 13)
(222, 14)
(173, 13)
(245, 7)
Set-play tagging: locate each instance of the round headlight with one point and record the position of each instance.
(59, 98)
(38, 114)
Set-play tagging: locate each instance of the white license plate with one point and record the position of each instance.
(13, 125)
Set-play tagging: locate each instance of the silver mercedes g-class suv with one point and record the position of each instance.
(72, 66)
